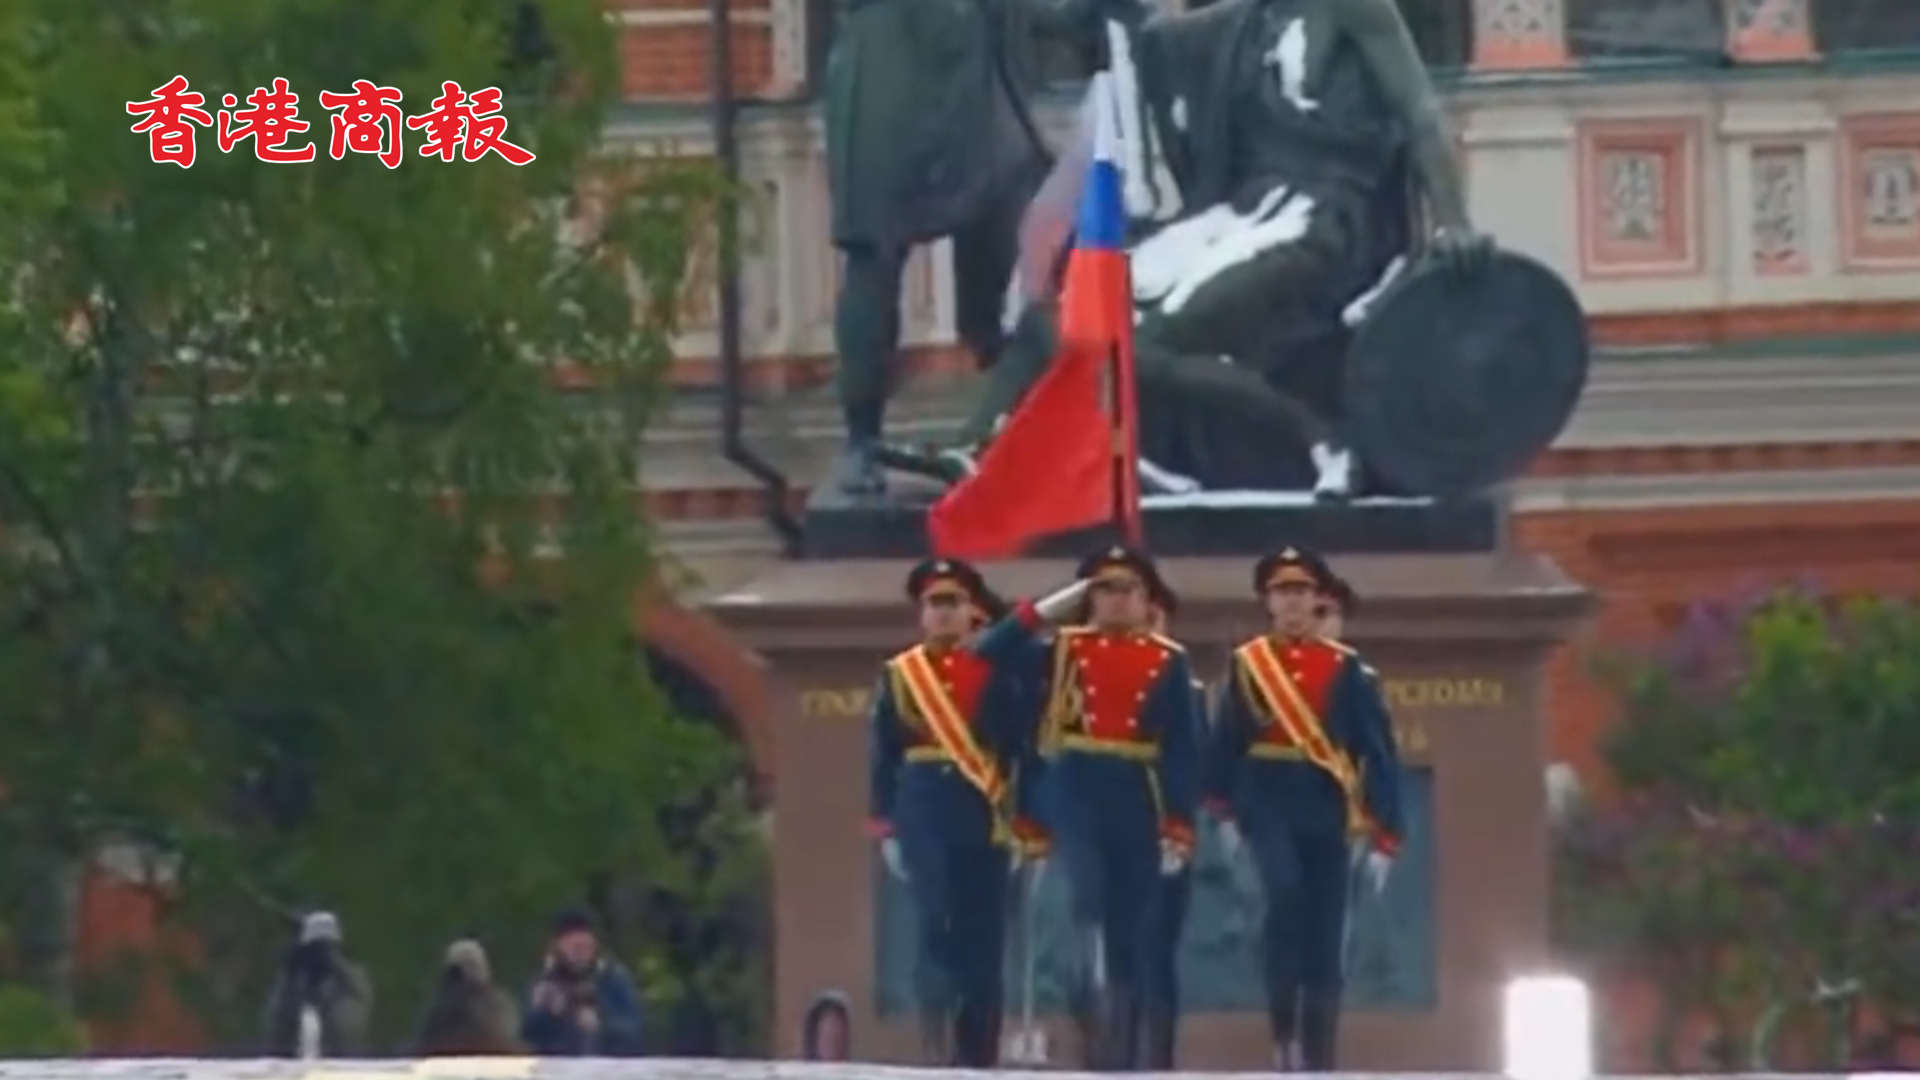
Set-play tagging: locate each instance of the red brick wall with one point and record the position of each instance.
(1641, 563)
(665, 56)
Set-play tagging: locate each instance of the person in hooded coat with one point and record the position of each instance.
(469, 1014)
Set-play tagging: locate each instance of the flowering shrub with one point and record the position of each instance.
(1764, 839)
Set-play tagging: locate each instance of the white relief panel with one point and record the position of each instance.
(1633, 207)
(1779, 226)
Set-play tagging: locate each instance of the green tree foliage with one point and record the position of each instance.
(281, 465)
(1763, 837)
(32, 1024)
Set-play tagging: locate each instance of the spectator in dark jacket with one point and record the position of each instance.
(584, 1004)
(469, 1015)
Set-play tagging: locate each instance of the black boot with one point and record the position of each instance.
(976, 1035)
(1162, 1026)
(1092, 1011)
(1319, 1029)
(1283, 1021)
(936, 1038)
(1122, 1053)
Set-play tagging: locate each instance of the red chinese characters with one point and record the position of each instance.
(271, 117)
(367, 120)
(167, 120)
(468, 125)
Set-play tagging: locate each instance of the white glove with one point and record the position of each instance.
(896, 863)
(1173, 858)
(1231, 842)
(1378, 864)
(1061, 604)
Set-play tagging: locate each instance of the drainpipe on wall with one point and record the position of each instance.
(733, 376)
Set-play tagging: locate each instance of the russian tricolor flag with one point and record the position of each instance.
(1066, 458)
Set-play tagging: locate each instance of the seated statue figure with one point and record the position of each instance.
(1309, 161)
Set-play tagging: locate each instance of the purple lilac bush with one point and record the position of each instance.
(1764, 831)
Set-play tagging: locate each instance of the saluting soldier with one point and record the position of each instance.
(945, 746)
(1122, 774)
(1301, 758)
(1160, 1015)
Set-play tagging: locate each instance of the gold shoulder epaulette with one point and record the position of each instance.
(902, 655)
(1168, 643)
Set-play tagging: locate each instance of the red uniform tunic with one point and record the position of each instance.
(962, 676)
(1312, 664)
(1114, 673)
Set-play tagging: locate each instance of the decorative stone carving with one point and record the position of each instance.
(1890, 191)
(1633, 205)
(1637, 189)
(1519, 33)
(1771, 30)
(1780, 209)
(1880, 170)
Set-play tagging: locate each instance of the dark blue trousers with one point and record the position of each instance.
(1106, 841)
(958, 878)
(1160, 1005)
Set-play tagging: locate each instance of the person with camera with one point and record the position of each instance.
(584, 1004)
(321, 1001)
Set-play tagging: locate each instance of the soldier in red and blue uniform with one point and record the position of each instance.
(1300, 763)
(1118, 733)
(1338, 604)
(945, 749)
(1160, 1017)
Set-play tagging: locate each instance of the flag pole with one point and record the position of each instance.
(1123, 410)
(1122, 406)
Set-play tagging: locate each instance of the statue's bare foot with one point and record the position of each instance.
(859, 472)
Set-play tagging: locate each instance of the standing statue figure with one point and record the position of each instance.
(928, 137)
(1310, 165)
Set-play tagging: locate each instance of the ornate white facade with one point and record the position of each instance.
(1743, 189)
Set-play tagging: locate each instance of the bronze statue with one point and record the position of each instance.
(928, 136)
(1318, 196)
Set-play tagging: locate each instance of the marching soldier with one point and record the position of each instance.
(1336, 607)
(1302, 758)
(1160, 1013)
(1122, 775)
(945, 736)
